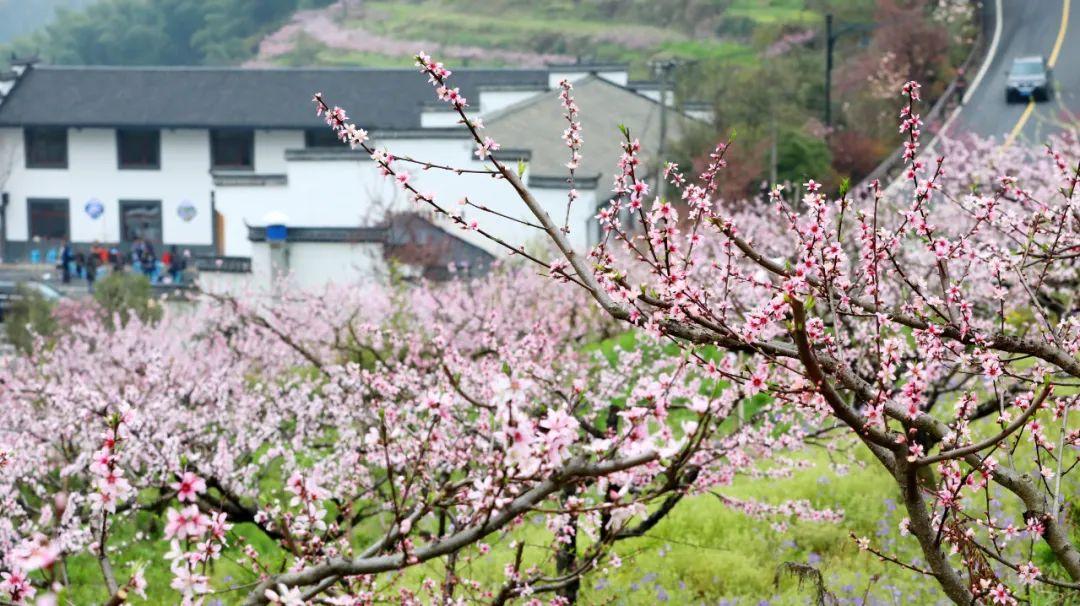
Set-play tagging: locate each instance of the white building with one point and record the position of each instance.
(197, 157)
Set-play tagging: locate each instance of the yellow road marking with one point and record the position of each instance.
(1061, 33)
(1015, 132)
(1024, 117)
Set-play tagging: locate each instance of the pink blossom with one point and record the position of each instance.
(186, 523)
(189, 487)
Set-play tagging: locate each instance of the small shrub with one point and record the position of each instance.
(29, 315)
(123, 294)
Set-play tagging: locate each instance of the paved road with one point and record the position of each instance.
(1050, 28)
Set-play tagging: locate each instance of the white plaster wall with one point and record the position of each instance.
(313, 266)
(242, 206)
(495, 100)
(582, 212)
(11, 149)
(344, 193)
(227, 283)
(351, 192)
(261, 272)
(442, 119)
(316, 265)
(705, 115)
(270, 146)
(654, 94)
(317, 194)
(651, 93)
(620, 77)
(92, 172)
(449, 188)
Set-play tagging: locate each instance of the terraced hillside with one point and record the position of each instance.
(518, 32)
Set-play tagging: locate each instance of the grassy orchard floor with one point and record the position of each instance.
(702, 553)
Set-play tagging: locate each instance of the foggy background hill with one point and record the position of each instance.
(21, 17)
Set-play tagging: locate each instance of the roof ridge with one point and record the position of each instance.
(674, 107)
(237, 68)
(524, 103)
(532, 99)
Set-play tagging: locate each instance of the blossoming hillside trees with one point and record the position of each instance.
(937, 323)
(402, 427)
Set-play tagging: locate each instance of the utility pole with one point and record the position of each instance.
(831, 36)
(664, 69)
(830, 43)
(772, 155)
(3, 225)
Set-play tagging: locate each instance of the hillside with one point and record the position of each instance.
(517, 32)
(389, 32)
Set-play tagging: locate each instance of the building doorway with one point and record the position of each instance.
(140, 220)
(219, 233)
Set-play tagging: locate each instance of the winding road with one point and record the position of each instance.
(1050, 28)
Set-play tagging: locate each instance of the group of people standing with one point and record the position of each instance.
(141, 257)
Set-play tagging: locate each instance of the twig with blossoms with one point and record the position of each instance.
(337, 119)
(901, 256)
(572, 137)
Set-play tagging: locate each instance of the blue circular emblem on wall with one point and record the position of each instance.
(187, 210)
(94, 208)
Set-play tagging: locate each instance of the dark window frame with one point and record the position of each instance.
(125, 204)
(216, 136)
(29, 135)
(121, 133)
(32, 202)
(322, 138)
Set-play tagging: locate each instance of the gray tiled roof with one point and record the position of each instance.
(537, 123)
(384, 99)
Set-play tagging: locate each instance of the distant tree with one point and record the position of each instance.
(760, 102)
(906, 44)
(800, 156)
(854, 153)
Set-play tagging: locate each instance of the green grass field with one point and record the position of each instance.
(702, 553)
(591, 30)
